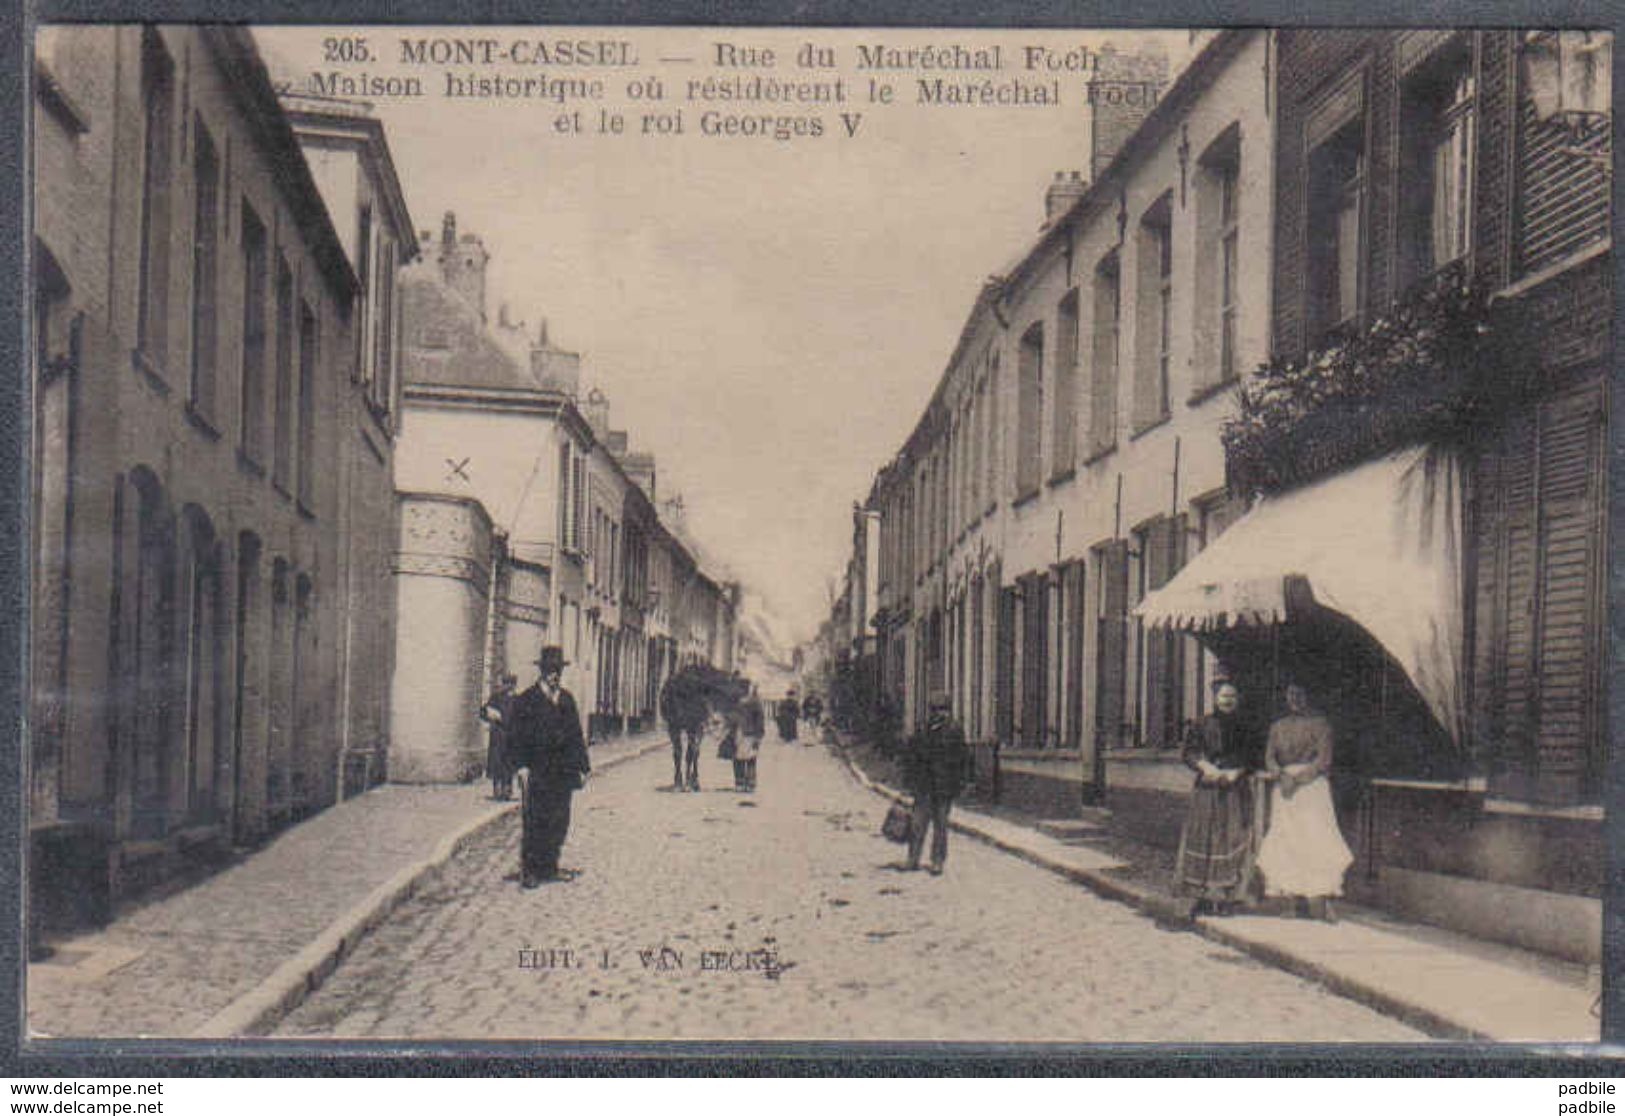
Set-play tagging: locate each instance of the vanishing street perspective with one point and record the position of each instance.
(728, 535)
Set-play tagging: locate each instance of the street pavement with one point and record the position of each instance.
(172, 966)
(783, 915)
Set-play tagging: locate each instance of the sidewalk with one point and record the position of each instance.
(231, 954)
(1447, 984)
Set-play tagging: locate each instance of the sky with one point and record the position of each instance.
(768, 317)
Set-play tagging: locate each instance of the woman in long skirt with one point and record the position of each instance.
(1216, 847)
(1303, 856)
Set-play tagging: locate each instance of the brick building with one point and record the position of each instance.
(1413, 159)
(195, 395)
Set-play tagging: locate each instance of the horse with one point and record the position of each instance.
(687, 701)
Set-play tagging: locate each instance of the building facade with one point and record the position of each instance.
(195, 394)
(525, 520)
(1412, 396)
(1070, 457)
(1477, 160)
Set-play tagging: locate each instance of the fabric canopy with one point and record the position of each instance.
(1379, 543)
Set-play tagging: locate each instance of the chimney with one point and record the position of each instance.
(1122, 91)
(462, 263)
(555, 369)
(596, 411)
(1062, 194)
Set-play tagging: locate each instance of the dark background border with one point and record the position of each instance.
(128, 1058)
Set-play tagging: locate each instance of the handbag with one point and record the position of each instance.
(898, 824)
(728, 748)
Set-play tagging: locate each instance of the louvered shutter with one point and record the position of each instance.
(1112, 643)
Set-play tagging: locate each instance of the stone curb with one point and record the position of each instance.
(258, 1010)
(1169, 911)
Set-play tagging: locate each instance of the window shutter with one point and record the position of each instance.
(1112, 642)
(1539, 656)
(1567, 668)
(1004, 679)
(1072, 686)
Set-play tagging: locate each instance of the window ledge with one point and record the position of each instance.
(1219, 387)
(197, 418)
(150, 370)
(305, 510)
(1536, 810)
(1100, 454)
(281, 487)
(1070, 472)
(1142, 431)
(246, 462)
(1027, 497)
(1552, 271)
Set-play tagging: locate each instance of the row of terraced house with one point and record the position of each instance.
(278, 553)
(1306, 376)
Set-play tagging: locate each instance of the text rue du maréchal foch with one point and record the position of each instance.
(736, 87)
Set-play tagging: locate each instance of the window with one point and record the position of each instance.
(1217, 204)
(157, 97)
(1337, 170)
(1103, 367)
(205, 268)
(1437, 134)
(307, 403)
(564, 495)
(282, 431)
(252, 410)
(1030, 411)
(1065, 416)
(577, 499)
(363, 274)
(383, 379)
(1154, 314)
(994, 433)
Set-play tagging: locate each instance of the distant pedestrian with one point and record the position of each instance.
(812, 710)
(495, 713)
(1303, 855)
(934, 767)
(752, 727)
(1216, 847)
(547, 743)
(787, 714)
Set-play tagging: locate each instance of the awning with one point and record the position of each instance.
(1379, 543)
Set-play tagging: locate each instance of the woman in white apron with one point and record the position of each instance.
(1303, 855)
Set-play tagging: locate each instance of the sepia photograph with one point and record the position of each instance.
(858, 535)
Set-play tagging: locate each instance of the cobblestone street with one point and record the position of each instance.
(781, 915)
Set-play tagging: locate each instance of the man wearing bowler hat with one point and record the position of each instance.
(547, 743)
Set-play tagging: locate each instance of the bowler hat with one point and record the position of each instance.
(551, 658)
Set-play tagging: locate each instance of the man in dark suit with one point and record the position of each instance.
(546, 741)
